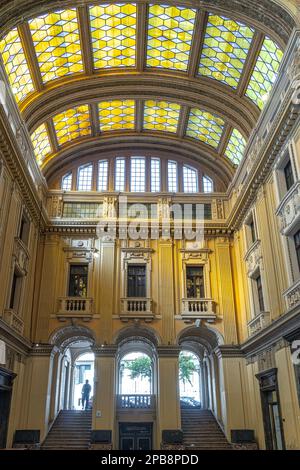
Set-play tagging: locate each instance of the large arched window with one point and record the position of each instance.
(138, 174)
(103, 175)
(190, 179)
(172, 177)
(85, 177)
(66, 182)
(136, 370)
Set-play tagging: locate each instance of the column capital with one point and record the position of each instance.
(168, 351)
(106, 350)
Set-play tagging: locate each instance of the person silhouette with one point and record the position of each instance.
(85, 394)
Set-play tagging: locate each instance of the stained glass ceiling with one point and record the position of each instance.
(116, 115)
(192, 42)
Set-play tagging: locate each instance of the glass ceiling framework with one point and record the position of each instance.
(117, 115)
(194, 42)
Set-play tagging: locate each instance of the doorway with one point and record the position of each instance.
(6, 383)
(135, 436)
(272, 419)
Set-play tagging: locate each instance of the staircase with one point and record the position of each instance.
(71, 430)
(201, 431)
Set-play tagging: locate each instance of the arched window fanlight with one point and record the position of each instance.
(208, 185)
(85, 177)
(66, 182)
(190, 179)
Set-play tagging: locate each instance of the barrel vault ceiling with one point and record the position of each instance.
(94, 76)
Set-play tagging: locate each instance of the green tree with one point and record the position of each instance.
(139, 367)
(187, 367)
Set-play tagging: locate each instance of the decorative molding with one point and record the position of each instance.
(288, 210)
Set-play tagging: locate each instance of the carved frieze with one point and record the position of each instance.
(289, 210)
(253, 259)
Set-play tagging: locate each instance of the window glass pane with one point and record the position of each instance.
(136, 281)
(102, 175)
(155, 175)
(190, 180)
(82, 210)
(207, 185)
(288, 174)
(236, 146)
(172, 176)
(297, 246)
(41, 143)
(205, 127)
(66, 182)
(78, 280)
(260, 294)
(195, 282)
(85, 175)
(120, 174)
(138, 174)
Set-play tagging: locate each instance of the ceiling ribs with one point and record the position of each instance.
(85, 39)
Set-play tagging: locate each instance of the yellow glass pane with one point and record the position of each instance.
(170, 32)
(72, 124)
(16, 65)
(161, 116)
(116, 114)
(113, 32)
(41, 143)
(205, 127)
(57, 44)
(236, 146)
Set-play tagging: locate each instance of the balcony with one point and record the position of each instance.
(136, 307)
(14, 321)
(253, 258)
(292, 295)
(289, 210)
(75, 307)
(193, 309)
(136, 406)
(258, 323)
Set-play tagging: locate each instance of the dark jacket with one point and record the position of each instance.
(86, 389)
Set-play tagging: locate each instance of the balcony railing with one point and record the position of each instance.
(198, 308)
(137, 402)
(136, 307)
(14, 321)
(289, 210)
(75, 307)
(258, 323)
(292, 295)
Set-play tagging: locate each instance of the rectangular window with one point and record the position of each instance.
(288, 174)
(260, 295)
(136, 281)
(190, 179)
(13, 292)
(85, 177)
(195, 282)
(82, 210)
(78, 280)
(297, 247)
(102, 175)
(66, 182)
(252, 231)
(120, 174)
(24, 230)
(138, 179)
(155, 175)
(172, 177)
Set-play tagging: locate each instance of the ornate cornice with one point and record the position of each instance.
(13, 339)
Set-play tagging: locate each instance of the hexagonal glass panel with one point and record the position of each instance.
(116, 114)
(170, 33)
(16, 65)
(57, 44)
(41, 143)
(236, 146)
(161, 116)
(225, 49)
(264, 73)
(113, 31)
(205, 126)
(72, 124)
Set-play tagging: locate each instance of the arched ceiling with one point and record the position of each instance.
(190, 76)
